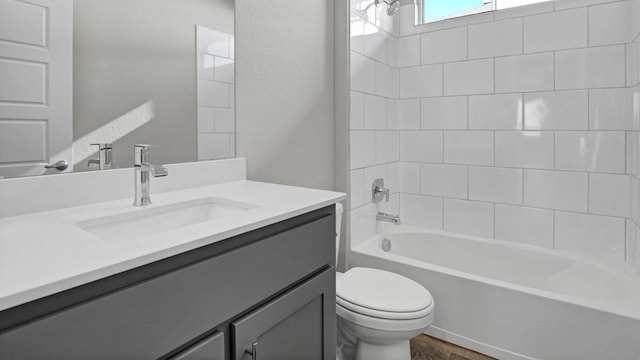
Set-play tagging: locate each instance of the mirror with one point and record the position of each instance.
(158, 72)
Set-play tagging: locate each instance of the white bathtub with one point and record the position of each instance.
(513, 301)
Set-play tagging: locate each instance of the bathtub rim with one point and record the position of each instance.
(624, 308)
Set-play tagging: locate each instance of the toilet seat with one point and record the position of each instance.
(382, 294)
(381, 324)
(388, 315)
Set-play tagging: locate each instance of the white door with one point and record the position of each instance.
(36, 99)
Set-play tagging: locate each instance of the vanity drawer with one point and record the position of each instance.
(152, 318)
(211, 348)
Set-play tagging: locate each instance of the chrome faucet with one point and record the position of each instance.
(142, 168)
(104, 160)
(395, 219)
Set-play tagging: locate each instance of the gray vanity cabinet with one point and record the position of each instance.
(274, 286)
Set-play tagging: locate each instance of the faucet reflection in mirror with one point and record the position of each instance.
(142, 169)
(103, 161)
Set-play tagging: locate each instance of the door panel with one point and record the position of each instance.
(293, 326)
(29, 136)
(302, 322)
(27, 25)
(17, 73)
(36, 44)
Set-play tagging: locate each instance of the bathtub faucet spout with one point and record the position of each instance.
(395, 219)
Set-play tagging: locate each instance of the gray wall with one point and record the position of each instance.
(127, 53)
(285, 91)
(341, 121)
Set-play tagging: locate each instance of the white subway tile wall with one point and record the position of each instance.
(381, 111)
(600, 30)
(215, 73)
(469, 147)
(421, 146)
(595, 67)
(556, 30)
(518, 73)
(469, 77)
(493, 184)
(425, 211)
(443, 46)
(525, 225)
(557, 110)
(495, 112)
(521, 125)
(421, 81)
(496, 38)
(392, 114)
(444, 113)
(469, 217)
(525, 149)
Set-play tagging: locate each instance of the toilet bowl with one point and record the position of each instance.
(378, 312)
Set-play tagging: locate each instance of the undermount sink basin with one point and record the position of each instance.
(158, 219)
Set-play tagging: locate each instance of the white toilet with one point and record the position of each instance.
(378, 311)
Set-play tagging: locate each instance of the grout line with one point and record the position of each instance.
(555, 71)
(468, 181)
(626, 66)
(510, 55)
(523, 184)
(525, 206)
(522, 24)
(442, 79)
(588, 193)
(494, 148)
(553, 234)
(497, 166)
(467, 40)
(468, 111)
(442, 212)
(493, 231)
(554, 150)
(626, 154)
(588, 25)
(519, 91)
(494, 75)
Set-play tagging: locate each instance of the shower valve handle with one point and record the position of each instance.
(378, 191)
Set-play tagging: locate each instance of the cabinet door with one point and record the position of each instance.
(211, 348)
(297, 325)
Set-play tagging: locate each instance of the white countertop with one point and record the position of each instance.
(45, 253)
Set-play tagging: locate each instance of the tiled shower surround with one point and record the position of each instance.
(519, 125)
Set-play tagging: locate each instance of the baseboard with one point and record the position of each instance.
(474, 345)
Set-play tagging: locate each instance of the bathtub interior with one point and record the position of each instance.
(579, 279)
(575, 307)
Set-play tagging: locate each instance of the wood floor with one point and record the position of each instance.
(424, 347)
